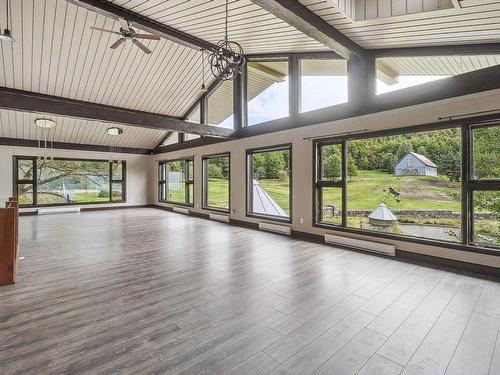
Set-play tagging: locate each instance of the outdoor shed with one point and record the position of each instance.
(413, 164)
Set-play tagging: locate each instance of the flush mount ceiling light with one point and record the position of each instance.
(45, 123)
(7, 34)
(114, 131)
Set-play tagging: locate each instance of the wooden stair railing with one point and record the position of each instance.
(9, 241)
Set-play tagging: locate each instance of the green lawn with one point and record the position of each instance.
(218, 192)
(366, 191)
(279, 191)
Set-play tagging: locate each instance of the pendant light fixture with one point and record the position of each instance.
(203, 88)
(227, 59)
(7, 34)
(47, 137)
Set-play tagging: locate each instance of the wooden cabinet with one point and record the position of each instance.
(9, 234)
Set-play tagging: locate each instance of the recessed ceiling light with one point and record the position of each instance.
(45, 123)
(114, 131)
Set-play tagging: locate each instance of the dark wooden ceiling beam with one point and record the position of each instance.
(18, 142)
(199, 142)
(165, 137)
(114, 11)
(309, 23)
(33, 102)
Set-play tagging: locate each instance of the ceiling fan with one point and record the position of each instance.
(126, 32)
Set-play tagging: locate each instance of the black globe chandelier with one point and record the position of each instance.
(227, 58)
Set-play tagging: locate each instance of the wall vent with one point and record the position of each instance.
(181, 210)
(374, 247)
(218, 217)
(281, 229)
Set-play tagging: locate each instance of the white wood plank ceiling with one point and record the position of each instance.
(477, 21)
(255, 29)
(14, 124)
(57, 53)
(439, 65)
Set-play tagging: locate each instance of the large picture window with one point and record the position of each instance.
(323, 83)
(484, 185)
(413, 184)
(406, 184)
(269, 182)
(48, 182)
(267, 91)
(175, 178)
(216, 180)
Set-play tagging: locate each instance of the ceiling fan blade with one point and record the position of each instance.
(123, 23)
(141, 46)
(147, 36)
(117, 44)
(105, 30)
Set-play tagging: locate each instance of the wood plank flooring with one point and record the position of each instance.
(145, 291)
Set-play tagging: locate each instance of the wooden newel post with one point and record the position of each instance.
(9, 239)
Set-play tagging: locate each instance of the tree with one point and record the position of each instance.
(214, 171)
(267, 165)
(487, 201)
(352, 169)
(332, 166)
(51, 174)
(486, 152)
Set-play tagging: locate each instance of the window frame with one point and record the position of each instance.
(34, 182)
(204, 160)
(299, 69)
(319, 184)
(293, 99)
(249, 175)
(188, 181)
(468, 186)
(474, 185)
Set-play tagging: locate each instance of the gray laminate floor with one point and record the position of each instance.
(146, 291)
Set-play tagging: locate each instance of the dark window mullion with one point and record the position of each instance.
(110, 173)
(344, 183)
(466, 217)
(35, 181)
(186, 182)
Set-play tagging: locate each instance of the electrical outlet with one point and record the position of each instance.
(301, 220)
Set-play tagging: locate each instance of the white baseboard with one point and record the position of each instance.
(276, 228)
(374, 247)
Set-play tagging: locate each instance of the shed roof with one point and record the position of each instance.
(382, 213)
(424, 160)
(263, 203)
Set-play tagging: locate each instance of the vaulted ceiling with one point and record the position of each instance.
(57, 53)
(409, 23)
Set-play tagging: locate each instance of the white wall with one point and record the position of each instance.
(137, 171)
(302, 163)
